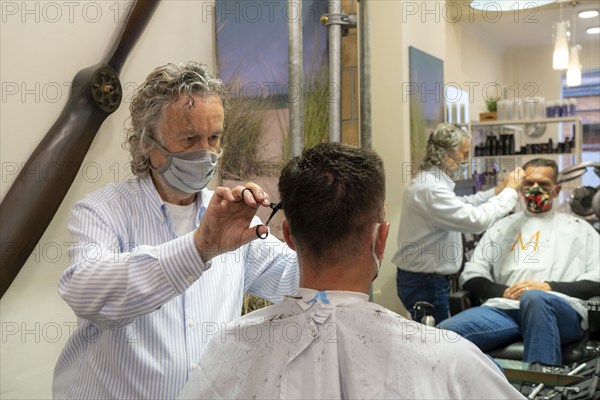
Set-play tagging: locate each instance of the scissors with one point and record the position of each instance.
(274, 206)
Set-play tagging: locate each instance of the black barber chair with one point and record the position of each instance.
(577, 377)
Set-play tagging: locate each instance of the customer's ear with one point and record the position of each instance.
(381, 239)
(287, 235)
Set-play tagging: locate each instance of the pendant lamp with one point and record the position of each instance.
(574, 71)
(560, 57)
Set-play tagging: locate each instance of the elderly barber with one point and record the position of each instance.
(433, 218)
(159, 261)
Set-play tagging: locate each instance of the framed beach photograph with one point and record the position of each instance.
(426, 99)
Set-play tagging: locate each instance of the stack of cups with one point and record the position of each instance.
(522, 109)
(535, 108)
(520, 112)
(505, 110)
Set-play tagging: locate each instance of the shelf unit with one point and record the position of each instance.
(479, 130)
(506, 163)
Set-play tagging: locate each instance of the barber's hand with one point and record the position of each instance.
(225, 225)
(513, 180)
(516, 291)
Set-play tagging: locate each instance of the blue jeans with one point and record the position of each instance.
(413, 287)
(544, 322)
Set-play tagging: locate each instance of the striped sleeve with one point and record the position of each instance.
(110, 281)
(271, 269)
(181, 262)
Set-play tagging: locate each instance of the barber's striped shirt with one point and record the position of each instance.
(146, 303)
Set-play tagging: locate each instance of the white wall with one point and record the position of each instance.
(43, 45)
(475, 62)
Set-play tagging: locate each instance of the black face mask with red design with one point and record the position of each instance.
(538, 200)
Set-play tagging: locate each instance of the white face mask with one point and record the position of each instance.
(375, 258)
(187, 172)
(461, 166)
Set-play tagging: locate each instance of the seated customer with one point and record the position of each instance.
(534, 267)
(329, 341)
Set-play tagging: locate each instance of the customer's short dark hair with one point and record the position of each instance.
(543, 162)
(331, 194)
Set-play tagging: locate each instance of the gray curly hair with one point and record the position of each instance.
(164, 86)
(443, 141)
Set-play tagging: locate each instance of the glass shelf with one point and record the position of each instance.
(533, 155)
(520, 139)
(488, 170)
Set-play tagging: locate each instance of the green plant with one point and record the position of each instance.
(492, 104)
(316, 115)
(316, 108)
(244, 131)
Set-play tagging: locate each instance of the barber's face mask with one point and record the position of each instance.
(538, 200)
(375, 258)
(461, 166)
(188, 172)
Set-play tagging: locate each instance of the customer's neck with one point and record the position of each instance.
(331, 275)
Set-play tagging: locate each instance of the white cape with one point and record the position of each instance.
(325, 345)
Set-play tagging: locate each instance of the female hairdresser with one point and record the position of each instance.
(433, 217)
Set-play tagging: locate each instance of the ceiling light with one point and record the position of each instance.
(588, 14)
(593, 31)
(574, 71)
(560, 57)
(495, 5)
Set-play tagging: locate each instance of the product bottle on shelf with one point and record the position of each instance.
(550, 109)
(564, 108)
(572, 107)
(572, 144)
(511, 144)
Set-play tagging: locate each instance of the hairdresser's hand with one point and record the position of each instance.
(516, 291)
(512, 180)
(225, 225)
